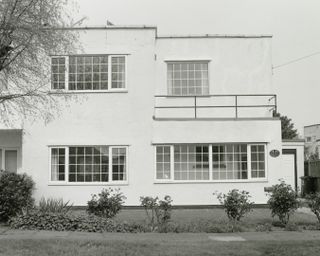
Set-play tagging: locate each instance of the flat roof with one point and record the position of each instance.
(166, 36)
(215, 36)
(311, 125)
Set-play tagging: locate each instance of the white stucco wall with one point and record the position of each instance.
(237, 65)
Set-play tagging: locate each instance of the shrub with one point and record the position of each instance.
(236, 204)
(267, 227)
(53, 205)
(15, 194)
(36, 220)
(106, 204)
(292, 227)
(283, 201)
(158, 212)
(313, 201)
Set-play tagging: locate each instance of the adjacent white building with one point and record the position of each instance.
(312, 139)
(184, 116)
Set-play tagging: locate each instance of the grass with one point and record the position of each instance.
(166, 245)
(198, 220)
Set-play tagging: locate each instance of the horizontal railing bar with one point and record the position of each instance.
(215, 95)
(219, 106)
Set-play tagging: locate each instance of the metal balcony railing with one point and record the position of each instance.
(216, 106)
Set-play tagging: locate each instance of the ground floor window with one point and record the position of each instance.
(210, 162)
(9, 159)
(88, 164)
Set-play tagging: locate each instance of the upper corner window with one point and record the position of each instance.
(58, 69)
(188, 78)
(95, 72)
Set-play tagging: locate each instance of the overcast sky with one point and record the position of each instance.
(294, 24)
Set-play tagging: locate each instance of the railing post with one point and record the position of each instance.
(195, 107)
(236, 105)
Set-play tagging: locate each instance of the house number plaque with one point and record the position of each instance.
(274, 153)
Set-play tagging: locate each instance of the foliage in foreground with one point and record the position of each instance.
(158, 212)
(283, 201)
(53, 205)
(67, 222)
(313, 201)
(236, 204)
(15, 194)
(106, 204)
(28, 36)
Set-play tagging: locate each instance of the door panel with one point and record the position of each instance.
(11, 159)
(288, 169)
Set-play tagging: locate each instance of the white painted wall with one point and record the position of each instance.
(236, 66)
(298, 145)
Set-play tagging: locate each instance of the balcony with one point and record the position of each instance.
(226, 106)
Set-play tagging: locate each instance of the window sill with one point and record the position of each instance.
(87, 91)
(209, 181)
(88, 183)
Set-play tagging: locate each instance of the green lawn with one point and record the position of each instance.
(199, 219)
(144, 244)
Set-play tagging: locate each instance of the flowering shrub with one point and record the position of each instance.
(158, 212)
(283, 202)
(106, 204)
(15, 194)
(236, 204)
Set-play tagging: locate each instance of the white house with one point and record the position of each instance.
(312, 139)
(184, 116)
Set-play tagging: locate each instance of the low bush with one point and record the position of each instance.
(158, 212)
(37, 220)
(236, 204)
(283, 202)
(15, 194)
(106, 204)
(266, 227)
(53, 205)
(313, 202)
(292, 227)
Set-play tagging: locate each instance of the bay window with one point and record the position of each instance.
(88, 72)
(213, 162)
(88, 164)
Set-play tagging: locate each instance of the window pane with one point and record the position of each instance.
(187, 78)
(118, 72)
(258, 161)
(88, 73)
(119, 163)
(229, 161)
(57, 164)
(163, 162)
(191, 162)
(86, 164)
(58, 73)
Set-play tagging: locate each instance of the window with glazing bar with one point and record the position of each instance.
(88, 164)
(187, 78)
(88, 72)
(210, 162)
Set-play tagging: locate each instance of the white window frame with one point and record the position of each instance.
(110, 89)
(93, 183)
(206, 61)
(211, 180)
